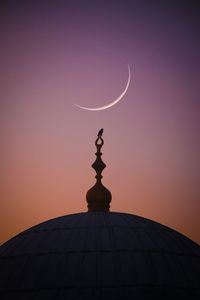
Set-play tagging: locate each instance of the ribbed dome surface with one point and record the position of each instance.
(99, 256)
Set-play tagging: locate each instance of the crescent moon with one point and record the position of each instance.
(113, 102)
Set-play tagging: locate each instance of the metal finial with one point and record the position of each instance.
(98, 197)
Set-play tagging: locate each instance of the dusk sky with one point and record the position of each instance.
(57, 53)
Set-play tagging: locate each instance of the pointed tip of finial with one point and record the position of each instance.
(98, 197)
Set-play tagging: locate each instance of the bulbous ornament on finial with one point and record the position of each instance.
(98, 197)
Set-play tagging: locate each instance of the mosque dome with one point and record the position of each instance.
(99, 255)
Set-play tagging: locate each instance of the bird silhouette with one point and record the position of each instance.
(100, 132)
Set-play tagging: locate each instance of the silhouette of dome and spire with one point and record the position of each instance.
(99, 255)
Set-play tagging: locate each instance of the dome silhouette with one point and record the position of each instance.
(99, 255)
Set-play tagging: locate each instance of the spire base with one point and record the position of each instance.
(98, 198)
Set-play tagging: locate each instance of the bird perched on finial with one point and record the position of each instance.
(100, 132)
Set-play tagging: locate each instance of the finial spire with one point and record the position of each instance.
(98, 197)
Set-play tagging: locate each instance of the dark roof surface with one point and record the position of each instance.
(99, 256)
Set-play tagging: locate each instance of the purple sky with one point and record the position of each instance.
(62, 52)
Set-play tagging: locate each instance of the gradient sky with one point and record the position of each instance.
(77, 51)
